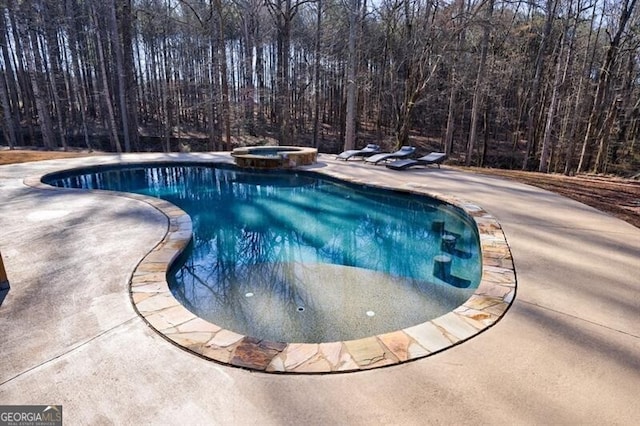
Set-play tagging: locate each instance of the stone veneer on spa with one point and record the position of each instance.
(274, 157)
(153, 300)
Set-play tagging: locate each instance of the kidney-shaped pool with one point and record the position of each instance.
(292, 256)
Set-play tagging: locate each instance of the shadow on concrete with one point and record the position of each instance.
(584, 336)
(4, 290)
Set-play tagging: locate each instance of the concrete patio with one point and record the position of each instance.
(567, 351)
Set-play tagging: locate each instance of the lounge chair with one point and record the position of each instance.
(403, 152)
(364, 152)
(434, 158)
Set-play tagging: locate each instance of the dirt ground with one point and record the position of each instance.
(616, 196)
(23, 156)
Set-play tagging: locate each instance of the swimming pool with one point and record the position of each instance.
(293, 257)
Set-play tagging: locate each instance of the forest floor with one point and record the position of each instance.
(616, 196)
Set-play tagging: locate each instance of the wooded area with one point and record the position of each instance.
(548, 85)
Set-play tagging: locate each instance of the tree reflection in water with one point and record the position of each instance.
(291, 257)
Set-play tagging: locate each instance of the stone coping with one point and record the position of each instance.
(153, 300)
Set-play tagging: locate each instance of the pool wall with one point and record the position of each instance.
(152, 299)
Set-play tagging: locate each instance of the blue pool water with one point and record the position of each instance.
(293, 257)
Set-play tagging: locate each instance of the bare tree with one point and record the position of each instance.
(596, 124)
(222, 62)
(283, 12)
(478, 91)
(106, 91)
(554, 75)
(122, 86)
(536, 85)
(7, 86)
(10, 127)
(316, 75)
(453, 79)
(353, 10)
(38, 84)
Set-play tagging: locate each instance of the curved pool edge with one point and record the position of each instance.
(152, 299)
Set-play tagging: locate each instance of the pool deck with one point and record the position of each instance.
(566, 352)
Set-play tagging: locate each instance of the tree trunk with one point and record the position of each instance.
(249, 22)
(124, 49)
(13, 106)
(10, 127)
(55, 73)
(262, 99)
(167, 104)
(603, 136)
(569, 159)
(122, 87)
(316, 76)
(350, 125)
(478, 91)
(536, 85)
(39, 94)
(283, 100)
(214, 117)
(486, 124)
(77, 78)
(602, 90)
(453, 95)
(283, 12)
(23, 75)
(222, 62)
(106, 94)
(131, 86)
(551, 112)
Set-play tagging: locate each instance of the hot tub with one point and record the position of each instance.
(274, 157)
